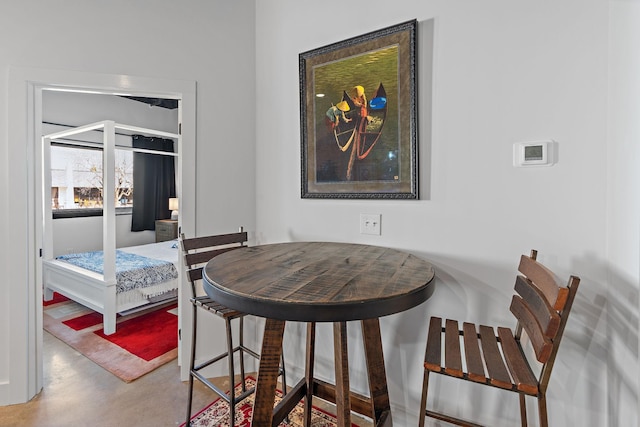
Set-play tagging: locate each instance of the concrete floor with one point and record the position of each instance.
(77, 392)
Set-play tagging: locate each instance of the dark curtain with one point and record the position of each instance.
(154, 182)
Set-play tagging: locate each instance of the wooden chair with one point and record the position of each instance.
(197, 252)
(541, 309)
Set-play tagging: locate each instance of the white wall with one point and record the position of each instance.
(76, 109)
(623, 210)
(72, 235)
(503, 72)
(209, 42)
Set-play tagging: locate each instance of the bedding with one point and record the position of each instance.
(132, 270)
(144, 273)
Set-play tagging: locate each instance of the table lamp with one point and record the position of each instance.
(173, 207)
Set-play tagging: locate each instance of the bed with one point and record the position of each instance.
(101, 288)
(145, 275)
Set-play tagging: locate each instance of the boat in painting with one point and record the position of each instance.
(363, 132)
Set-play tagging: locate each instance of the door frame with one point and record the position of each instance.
(25, 280)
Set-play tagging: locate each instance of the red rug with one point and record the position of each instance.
(142, 342)
(148, 336)
(216, 414)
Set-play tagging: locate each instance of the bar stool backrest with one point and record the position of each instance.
(199, 250)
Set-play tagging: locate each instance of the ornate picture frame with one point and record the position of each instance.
(358, 114)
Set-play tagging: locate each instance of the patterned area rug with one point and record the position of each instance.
(217, 414)
(142, 342)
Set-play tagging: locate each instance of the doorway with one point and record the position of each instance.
(25, 118)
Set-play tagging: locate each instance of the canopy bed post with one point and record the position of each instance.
(109, 226)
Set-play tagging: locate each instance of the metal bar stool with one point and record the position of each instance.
(197, 252)
(541, 308)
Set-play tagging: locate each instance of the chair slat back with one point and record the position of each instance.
(197, 251)
(527, 319)
(542, 308)
(195, 274)
(545, 280)
(197, 258)
(214, 240)
(545, 314)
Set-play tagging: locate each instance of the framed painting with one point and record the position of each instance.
(358, 117)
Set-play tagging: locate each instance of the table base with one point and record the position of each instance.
(375, 406)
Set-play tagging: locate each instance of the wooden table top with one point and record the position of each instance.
(318, 281)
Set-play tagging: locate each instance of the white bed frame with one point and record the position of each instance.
(93, 290)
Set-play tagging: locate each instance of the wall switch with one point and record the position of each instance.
(370, 224)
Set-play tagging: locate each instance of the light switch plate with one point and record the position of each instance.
(370, 224)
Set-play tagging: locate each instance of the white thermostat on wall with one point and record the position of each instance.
(533, 153)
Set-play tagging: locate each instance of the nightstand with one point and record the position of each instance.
(166, 229)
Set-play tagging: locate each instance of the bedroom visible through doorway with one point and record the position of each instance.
(25, 89)
(88, 125)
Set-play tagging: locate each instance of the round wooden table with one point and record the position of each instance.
(320, 282)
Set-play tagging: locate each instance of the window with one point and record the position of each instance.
(76, 180)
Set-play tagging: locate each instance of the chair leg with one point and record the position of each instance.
(241, 351)
(542, 409)
(192, 364)
(232, 395)
(423, 401)
(308, 370)
(523, 410)
(284, 374)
